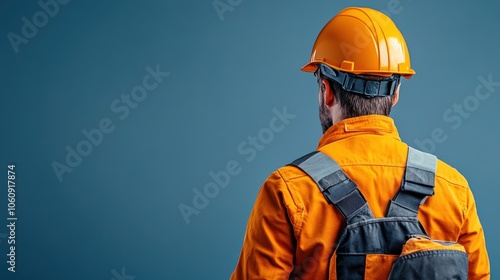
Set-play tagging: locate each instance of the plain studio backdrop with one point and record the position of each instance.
(120, 116)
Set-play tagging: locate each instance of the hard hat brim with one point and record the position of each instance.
(313, 66)
(310, 67)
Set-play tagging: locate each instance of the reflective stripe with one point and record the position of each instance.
(421, 160)
(420, 172)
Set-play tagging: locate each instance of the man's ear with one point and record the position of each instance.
(395, 99)
(328, 93)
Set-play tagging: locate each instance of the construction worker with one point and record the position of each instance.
(293, 231)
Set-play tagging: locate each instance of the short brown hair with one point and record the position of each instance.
(355, 105)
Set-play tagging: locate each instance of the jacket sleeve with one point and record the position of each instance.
(268, 246)
(472, 238)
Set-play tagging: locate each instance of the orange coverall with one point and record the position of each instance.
(292, 230)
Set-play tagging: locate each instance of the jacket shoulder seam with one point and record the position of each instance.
(297, 222)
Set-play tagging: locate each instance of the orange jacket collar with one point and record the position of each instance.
(370, 124)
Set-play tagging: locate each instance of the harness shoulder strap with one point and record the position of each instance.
(337, 188)
(417, 184)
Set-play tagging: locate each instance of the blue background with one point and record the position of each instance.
(119, 207)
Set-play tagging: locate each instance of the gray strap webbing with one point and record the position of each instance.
(337, 188)
(417, 185)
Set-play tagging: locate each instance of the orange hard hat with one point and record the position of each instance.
(361, 41)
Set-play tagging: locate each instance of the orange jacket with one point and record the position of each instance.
(292, 229)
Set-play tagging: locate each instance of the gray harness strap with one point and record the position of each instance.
(418, 183)
(337, 188)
